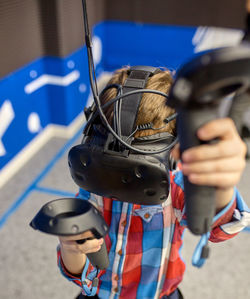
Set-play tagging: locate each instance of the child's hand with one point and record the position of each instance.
(74, 254)
(70, 245)
(219, 164)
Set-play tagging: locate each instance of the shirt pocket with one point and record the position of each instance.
(147, 213)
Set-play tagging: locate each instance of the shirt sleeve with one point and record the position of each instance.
(88, 280)
(231, 220)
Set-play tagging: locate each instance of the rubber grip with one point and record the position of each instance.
(98, 259)
(199, 200)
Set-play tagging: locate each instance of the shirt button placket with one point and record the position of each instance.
(122, 230)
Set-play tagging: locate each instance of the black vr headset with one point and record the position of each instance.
(112, 163)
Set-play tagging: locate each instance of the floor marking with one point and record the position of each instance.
(54, 191)
(34, 184)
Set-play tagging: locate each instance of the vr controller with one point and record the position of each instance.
(71, 216)
(199, 88)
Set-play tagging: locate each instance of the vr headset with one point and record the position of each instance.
(112, 163)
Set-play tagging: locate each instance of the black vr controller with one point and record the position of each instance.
(196, 94)
(71, 216)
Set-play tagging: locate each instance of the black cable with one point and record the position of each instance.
(129, 93)
(170, 118)
(96, 97)
(246, 36)
(149, 126)
(93, 111)
(117, 137)
(89, 48)
(119, 113)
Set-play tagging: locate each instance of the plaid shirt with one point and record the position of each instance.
(144, 243)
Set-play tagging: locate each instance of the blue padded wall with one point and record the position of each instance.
(54, 90)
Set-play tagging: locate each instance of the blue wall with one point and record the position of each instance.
(31, 95)
(144, 44)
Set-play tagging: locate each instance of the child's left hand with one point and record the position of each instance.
(219, 164)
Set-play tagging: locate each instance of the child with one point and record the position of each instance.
(144, 241)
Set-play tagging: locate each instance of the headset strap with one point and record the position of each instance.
(161, 136)
(137, 79)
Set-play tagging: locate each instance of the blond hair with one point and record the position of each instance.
(152, 109)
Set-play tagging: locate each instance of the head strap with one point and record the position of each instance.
(137, 79)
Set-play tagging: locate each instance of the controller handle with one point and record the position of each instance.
(72, 216)
(200, 200)
(199, 87)
(98, 259)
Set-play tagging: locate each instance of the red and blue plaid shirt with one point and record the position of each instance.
(144, 243)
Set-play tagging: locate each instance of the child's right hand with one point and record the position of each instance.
(69, 244)
(74, 254)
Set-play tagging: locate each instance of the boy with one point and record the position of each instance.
(144, 241)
